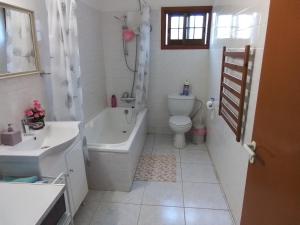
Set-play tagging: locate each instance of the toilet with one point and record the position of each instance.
(180, 108)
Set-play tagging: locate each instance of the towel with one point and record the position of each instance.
(32, 179)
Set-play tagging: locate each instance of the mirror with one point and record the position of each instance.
(18, 45)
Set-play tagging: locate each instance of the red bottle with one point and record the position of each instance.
(113, 101)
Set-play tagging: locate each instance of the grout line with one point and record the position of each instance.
(198, 163)
(203, 208)
(180, 207)
(95, 212)
(184, 216)
(145, 182)
(199, 182)
(138, 219)
(152, 144)
(222, 189)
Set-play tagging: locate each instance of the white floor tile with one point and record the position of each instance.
(163, 142)
(194, 172)
(191, 147)
(158, 215)
(134, 196)
(195, 156)
(147, 151)
(203, 195)
(116, 214)
(207, 217)
(148, 147)
(163, 193)
(178, 173)
(93, 195)
(161, 203)
(85, 213)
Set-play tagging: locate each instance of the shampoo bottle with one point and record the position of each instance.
(113, 101)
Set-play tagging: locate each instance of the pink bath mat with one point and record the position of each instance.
(161, 168)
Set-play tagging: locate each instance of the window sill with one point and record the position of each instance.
(178, 47)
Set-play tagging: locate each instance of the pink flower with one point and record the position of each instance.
(36, 104)
(36, 111)
(39, 108)
(29, 113)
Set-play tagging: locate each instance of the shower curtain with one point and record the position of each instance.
(142, 80)
(65, 60)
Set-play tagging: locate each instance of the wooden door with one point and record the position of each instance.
(273, 184)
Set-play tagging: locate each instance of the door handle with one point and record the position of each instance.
(250, 148)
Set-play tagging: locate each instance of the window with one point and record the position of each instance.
(185, 27)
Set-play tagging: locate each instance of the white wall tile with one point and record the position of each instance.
(168, 69)
(112, 5)
(16, 94)
(229, 157)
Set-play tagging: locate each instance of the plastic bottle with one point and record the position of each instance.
(113, 101)
(186, 88)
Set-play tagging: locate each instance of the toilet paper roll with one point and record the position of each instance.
(210, 105)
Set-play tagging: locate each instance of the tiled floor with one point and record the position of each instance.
(195, 199)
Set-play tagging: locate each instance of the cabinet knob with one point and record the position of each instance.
(71, 171)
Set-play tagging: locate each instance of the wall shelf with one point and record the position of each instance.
(233, 88)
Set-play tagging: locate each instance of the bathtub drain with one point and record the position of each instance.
(124, 131)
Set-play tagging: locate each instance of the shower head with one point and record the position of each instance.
(123, 20)
(118, 18)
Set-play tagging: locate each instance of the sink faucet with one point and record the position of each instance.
(25, 127)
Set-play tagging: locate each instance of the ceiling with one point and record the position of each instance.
(120, 5)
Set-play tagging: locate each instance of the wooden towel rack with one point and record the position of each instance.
(233, 88)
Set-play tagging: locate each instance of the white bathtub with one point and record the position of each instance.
(115, 141)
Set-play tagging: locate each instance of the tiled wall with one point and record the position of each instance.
(118, 77)
(117, 5)
(16, 94)
(92, 60)
(168, 69)
(244, 23)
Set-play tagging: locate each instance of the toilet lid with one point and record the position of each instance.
(180, 120)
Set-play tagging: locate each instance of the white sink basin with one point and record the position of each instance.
(55, 136)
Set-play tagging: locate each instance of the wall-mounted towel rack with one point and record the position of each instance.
(233, 88)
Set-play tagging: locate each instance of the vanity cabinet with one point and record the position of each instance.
(76, 175)
(49, 153)
(70, 162)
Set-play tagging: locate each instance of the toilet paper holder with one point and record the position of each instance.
(210, 104)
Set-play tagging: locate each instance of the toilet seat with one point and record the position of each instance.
(180, 121)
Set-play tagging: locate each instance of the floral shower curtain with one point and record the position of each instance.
(142, 80)
(65, 60)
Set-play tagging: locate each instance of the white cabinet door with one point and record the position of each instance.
(77, 175)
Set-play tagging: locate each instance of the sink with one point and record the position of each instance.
(55, 136)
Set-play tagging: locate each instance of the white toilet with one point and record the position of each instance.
(180, 108)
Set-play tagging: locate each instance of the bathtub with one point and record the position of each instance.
(115, 139)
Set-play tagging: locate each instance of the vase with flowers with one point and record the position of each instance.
(35, 116)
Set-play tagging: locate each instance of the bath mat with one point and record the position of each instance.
(161, 168)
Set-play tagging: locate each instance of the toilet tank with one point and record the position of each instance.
(180, 105)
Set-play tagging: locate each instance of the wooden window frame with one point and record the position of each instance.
(185, 44)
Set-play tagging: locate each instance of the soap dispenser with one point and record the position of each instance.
(10, 136)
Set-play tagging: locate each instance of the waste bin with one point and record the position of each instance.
(198, 134)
